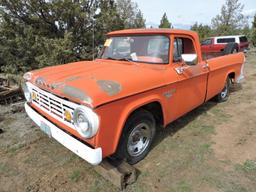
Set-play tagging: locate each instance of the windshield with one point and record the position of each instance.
(147, 49)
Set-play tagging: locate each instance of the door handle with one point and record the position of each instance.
(180, 70)
(205, 66)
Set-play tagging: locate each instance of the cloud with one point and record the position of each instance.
(250, 12)
(152, 24)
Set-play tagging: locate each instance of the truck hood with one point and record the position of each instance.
(101, 81)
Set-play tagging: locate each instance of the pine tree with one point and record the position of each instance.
(231, 18)
(139, 21)
(204, 31)
(253, 37)
(130, 14)
(107, 20)
(41, 33)
(254, 22)
(164, 23)
(34, 34)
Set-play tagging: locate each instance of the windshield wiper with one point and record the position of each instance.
(125, 59)
(111, 58)
(120, 59)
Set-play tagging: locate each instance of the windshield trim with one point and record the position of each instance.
(136, 35)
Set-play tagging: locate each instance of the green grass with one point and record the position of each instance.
(3, 168)
(15, 148)
(248, 167)
(183, 186)
(75, 175)
(221, 116)
(7, 170)
(201, 128)
(208, 129)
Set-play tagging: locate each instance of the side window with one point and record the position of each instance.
(182, 46)
(226, 40)
(206, 42)
(243, 39)
(178, 49)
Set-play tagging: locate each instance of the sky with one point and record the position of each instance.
(184, 13)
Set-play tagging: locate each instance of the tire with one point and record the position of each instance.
(137, 137)
(224, 94)
(230, 49)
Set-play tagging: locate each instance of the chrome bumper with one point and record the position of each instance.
(93, 156)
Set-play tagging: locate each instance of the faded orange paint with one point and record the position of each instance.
(136, 85)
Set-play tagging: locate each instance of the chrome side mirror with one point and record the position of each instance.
(189, 59)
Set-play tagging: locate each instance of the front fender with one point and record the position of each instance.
(113, 117)
(133, 106)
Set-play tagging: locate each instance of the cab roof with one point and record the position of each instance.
(151, 31)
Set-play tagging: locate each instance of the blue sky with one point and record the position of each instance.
(183, 13)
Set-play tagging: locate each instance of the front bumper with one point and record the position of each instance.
(93, 156)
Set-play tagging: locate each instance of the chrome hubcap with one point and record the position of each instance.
(224, 92)
(139, 139)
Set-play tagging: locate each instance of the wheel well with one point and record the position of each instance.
(232, 76)
(155, 109)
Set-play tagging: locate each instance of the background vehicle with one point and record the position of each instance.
(217, 44)
(144, 78)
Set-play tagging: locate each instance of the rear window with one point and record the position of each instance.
(243, 39)
(226, 40)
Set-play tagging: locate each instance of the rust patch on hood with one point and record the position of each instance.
(57, 85)
(109, 87)
(72, 78)
(76, 93)
(67, 90)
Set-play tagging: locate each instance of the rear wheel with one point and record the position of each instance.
(224, 94)
(230, 48)
(137, 137)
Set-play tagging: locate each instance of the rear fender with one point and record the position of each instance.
(220, 68)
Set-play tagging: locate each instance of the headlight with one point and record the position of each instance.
(86, 122)
(27, 93)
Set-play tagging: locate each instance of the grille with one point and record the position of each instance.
(53, 105)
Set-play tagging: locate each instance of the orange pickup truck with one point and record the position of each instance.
(142, 79)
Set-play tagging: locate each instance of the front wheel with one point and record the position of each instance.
(224, 94)
(137, 137)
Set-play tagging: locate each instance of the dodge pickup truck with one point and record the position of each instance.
(143, 79)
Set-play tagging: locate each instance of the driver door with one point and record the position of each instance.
(192, 78)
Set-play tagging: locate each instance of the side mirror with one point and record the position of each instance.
(189, 59)
(99, 50)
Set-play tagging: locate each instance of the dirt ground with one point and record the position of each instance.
(211, 149)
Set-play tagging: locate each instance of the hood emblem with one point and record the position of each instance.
(40, 81)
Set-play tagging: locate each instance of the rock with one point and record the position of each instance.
(17, 107)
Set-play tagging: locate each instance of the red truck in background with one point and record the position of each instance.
(218, 44)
